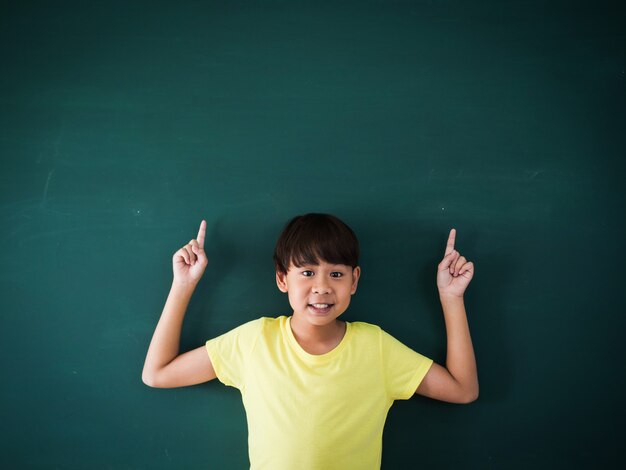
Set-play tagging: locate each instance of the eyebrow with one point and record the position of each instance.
(339, 266)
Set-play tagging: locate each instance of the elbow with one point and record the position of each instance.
(470, 397)
(467, 394)
(149, 378)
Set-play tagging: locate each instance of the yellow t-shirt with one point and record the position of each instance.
(309, 411)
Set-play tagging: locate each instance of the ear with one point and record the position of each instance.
(281, 281)
(356, 274)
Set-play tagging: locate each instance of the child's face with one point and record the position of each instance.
(322, 283)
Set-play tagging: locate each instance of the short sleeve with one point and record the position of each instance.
(229, 352)
(403, 368)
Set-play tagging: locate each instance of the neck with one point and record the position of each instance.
(305, 332)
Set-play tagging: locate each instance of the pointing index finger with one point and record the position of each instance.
(451, 239)
(201, 233)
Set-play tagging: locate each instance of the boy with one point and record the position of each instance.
(316, 389)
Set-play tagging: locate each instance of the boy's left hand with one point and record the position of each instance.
(454, 273)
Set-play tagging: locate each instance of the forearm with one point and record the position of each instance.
(165, 343)
(460, 360)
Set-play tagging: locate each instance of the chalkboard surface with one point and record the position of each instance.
(124, 124)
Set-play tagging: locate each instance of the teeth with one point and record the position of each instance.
(320, 305)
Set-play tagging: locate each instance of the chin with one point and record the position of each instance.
(312, 318)
(321, 319)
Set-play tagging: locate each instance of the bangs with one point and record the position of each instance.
(312, 238)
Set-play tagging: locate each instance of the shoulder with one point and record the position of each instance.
(245, 330)
(271, 323)
(266, 326)
(365, 331)
(362, 326)
(252, 325)
(376, 333)
(264, 322)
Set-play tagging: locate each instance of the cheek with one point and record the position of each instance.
(298, 295)
(347, 292)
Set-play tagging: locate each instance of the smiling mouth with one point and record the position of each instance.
(320, 309)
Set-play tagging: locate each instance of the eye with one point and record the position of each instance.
(307, 273)
(336, 274)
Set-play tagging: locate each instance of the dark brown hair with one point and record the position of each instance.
(308, 238)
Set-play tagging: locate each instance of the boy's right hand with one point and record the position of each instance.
(190, 261)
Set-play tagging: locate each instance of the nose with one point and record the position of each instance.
(321, 287)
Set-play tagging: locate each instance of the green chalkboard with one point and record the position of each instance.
(124, 124)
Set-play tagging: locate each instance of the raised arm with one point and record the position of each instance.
(164, 367)
(458, 381)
